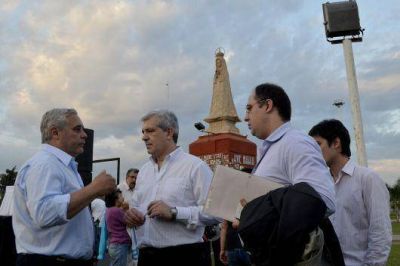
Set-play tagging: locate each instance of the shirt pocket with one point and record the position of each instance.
(176, 190)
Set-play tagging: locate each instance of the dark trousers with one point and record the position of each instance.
(182, 255)
(42, 260)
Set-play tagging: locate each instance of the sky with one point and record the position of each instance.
(112, 60)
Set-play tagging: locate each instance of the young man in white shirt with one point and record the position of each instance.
(361, 221)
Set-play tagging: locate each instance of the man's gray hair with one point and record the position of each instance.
(54, 118)
(166, 120)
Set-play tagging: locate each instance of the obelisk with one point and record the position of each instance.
(223, 116)
(223, 144)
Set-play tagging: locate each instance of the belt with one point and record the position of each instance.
(178, 248)
(39, 259)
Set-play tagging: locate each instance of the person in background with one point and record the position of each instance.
(51, 221)
(362, 217)
(98, 207)
(119, 242)
(127, 187)
(98, 210)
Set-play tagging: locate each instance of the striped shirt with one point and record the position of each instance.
(362, 220)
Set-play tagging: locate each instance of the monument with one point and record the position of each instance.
(223, 144)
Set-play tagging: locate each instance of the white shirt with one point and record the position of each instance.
(6, 206)
(182, 182)
(127, 193)
(361, 221)
(98, 210)
(289, 157)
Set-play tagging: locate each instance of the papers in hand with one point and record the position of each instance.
(229, 186)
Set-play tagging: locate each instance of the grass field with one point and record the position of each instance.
(396, 229)
(394, 257)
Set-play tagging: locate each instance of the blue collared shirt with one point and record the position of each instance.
(289, 156)
(41, 197)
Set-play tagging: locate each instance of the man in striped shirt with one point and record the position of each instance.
(361, 221)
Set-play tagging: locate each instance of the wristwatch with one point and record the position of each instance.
(174, 212)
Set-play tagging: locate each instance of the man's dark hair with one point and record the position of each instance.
(278, 96)
(135, 170)
(331, 129)
(111, 198)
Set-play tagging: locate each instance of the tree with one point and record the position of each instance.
(7, 179)
(395, 198)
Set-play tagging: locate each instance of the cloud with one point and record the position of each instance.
(388, 170)
(111, 60)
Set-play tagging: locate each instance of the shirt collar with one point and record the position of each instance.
(348, 168)
(277, 134)
(64, 157)
(171, 155)
(127, 186)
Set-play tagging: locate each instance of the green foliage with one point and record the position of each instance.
(7, 179)
(395, 198)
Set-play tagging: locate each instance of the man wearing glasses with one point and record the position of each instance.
(288, 156)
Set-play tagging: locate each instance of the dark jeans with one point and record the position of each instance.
(42, 260)
(238, 257)
(182, 255)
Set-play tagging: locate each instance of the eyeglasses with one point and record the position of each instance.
(250, 106)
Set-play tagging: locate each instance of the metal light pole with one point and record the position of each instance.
(354, 102)
(342, 25)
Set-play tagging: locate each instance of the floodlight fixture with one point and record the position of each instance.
(341, 20)
(338, 103)
(199, 126)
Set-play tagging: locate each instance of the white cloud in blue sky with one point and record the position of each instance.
(111, 60)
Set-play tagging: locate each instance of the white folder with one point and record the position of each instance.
(229, 186)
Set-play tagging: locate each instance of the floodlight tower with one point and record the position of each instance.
(342, 25)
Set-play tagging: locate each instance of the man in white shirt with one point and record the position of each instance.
(361, 220)
(170, 193)
(127, 187)
(288, 157)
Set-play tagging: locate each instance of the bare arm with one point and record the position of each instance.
(101, 185)
(222, 254)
